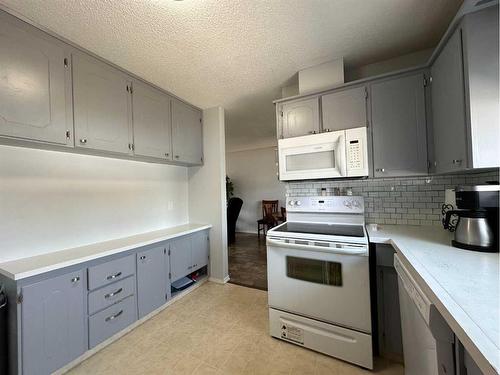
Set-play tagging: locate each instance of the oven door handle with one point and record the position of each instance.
(324, 249)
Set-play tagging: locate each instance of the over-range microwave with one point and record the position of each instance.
(338, 154)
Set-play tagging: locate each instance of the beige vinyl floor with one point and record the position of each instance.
(216, 329)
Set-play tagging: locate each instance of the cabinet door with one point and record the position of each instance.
(300, 118)
(35, 84)
(151, 280)
(187, 135)
(102, 102)
(53, 323)
(180, 258)
(399, 128)
(448, 107)
(151, 122)
(200, 250)
(344, 109)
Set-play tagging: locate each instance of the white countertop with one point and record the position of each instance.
(464, 285)
(27, 267)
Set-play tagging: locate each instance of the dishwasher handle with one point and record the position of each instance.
(345, 249)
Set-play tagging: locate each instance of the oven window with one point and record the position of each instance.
(315, 271)
(312, 160)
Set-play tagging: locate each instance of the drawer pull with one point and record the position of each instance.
(142, 257)
(109, 295)
(110, 318)
(76, 279)
(111, 277)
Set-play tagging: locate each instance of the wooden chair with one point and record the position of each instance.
(270, 216)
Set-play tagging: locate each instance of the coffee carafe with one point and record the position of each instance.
(476, 226)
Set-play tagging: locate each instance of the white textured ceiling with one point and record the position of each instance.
(238, 54)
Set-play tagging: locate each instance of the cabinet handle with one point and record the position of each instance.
(83, 140)
(312, 131)
(167, 154)
(75, 279)
(177, 156)
(142, 257)
(109, 295)
(111, 277)
(109, 318)
(457, 161)
(380, 170)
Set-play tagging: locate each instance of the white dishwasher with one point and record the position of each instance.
(428, 342)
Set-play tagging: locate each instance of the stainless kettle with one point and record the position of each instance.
(472, 230)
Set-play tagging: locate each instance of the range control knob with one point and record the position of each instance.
(298, 203)
(291, 203)
(348, 204)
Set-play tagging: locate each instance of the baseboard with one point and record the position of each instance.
(219, 281)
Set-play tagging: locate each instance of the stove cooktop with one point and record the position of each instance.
(323, 229)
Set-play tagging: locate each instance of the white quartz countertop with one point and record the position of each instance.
(463, 285)
(27, 267)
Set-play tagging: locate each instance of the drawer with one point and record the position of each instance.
(111, 271)
(104, 297)
(115, 318)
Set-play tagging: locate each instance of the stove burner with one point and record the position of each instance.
(323, 229)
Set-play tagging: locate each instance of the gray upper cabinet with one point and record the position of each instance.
(481, 50)
(53, 323)
(180, 258)
(187, 134)
(151, 280)
(399, 126)
(151, 122)
(35, 84)
(344, 109)
(200, 250)
(448, 107)
(299, 118)
(102, 105)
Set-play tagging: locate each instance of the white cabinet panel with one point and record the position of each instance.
(344, 109)
(152, 122)
(35, 84)
(102, 102)
(187, 135)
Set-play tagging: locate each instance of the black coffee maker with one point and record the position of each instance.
(476, 226)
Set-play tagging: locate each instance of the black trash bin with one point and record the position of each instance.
(3, 331)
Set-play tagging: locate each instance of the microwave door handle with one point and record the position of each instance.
(345, 251)
(340, 155)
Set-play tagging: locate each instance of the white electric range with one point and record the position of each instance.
(318, 278)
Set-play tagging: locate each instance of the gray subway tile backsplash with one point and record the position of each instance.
(403, 200)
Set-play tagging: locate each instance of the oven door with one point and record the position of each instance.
(313, 156)
(327, 284)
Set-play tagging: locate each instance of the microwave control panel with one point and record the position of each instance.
(357, 152)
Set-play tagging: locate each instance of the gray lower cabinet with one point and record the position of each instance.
(299, 118)
(199, 250)
(388, 313)
(399, 126)
(152, 279)
(112, 320)
(180, 258)
(344, 109)
(187, 135)
(53, 323)
(35, 84)
(102, 106)
(151, 122)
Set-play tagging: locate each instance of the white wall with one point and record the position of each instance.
(207, 191)
(50, 200)
(253, 173)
